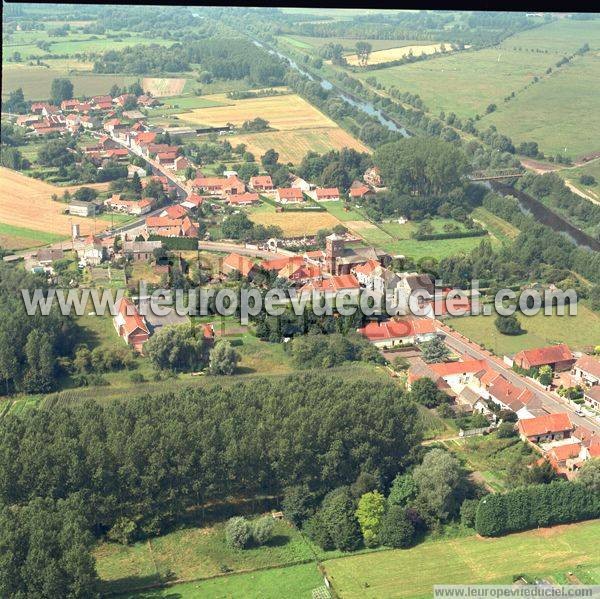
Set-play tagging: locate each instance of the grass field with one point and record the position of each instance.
(395, 239)
(293, 224)
(293, 581)
(293, 145)
(390, 54)
(36, 81)
(27, 203)
(578, 331)
(469, 560)
(561, 112)
(18, 238)
(286, 112)
(488, 74)
(194, 553)
(563, 36)
(499, 228)
(305, 42)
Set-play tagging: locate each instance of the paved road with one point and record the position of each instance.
(549, 402)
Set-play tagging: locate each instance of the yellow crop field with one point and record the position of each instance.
(286, 112)
(293, 145)
(294, 224)
(27, 203)
(397, 53)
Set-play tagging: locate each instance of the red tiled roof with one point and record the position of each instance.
(455, 306)
(450, 368)
(514, 397)
(564, 452)
(360, 191)
(367, 268)
(146, 137)
(261, 181)
(132, 318)
(390, 329)
(338, 283)
(209, 181)
(290, 193)
(544, 355)
(423, 326)
(195, 199)
(328, 192)
(542, 425)
(243, 198)
(241, 263)
(279, 263)
(594, 448)
(589, 364)
(175, 211)
(162, 221)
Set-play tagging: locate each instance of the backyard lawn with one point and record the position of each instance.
(412, 573)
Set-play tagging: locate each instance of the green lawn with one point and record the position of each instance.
(293, 581)
(194, 553)
(338, 210)
(578, 331)
(179, 104)
(470, 560)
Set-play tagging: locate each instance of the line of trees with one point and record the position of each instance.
(537, 505)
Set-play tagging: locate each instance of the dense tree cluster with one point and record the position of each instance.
(147, 460)
(45, 548)
(536, 505)
(421, 166)
(334, 169)
(29, 345)
(222, 58)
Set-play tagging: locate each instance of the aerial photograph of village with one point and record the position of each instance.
(299, 302)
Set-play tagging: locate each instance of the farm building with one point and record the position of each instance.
(77, 208)
(141, 250)
(558, 357)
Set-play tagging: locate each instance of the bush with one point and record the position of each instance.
(238, 532)
(397, 529)
(468, 512)
(262, 530)
(508, 325)
(506, 430)
(317, 531)
(137, 377)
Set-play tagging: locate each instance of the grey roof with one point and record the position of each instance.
(469, 397)
(49, 255)
(420, 282)
(141, 246)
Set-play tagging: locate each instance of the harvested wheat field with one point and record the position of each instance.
(397, 53)
(292, 146)
(162, 87)
(26, 205)
(295, 224)
(286, 112)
